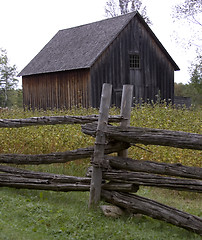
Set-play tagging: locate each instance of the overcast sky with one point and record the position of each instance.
(27, 25)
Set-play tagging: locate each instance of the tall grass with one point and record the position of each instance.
(58, 138)
(30, 214)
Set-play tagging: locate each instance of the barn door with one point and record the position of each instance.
(136, 77)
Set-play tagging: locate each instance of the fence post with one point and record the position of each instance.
(96, 179)
(126, 103)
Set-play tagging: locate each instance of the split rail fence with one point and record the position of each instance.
(113, 178)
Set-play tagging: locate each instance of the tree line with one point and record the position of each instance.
(193, 88)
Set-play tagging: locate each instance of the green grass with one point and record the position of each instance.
(31, 214)
(45, 215)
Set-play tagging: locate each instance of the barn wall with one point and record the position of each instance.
(156, 73)
(57, 90)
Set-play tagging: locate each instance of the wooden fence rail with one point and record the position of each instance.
(136, 204)
(149, 136)
(112, 178)
(21, 178)
(59, 157)
(152, 180)
(53, 120)
(169, 169)
(151, 208)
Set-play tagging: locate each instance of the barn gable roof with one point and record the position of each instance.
(79, 47)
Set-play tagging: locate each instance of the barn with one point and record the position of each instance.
(72, 67)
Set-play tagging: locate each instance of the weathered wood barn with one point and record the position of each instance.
(71, 68)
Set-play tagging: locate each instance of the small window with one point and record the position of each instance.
(134, 61)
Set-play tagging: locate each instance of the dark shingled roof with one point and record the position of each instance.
(77, 47)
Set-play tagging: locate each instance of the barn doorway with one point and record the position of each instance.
(136, 76)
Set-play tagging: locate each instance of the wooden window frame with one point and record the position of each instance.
(134, 60)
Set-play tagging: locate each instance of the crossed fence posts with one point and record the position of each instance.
(123, 175)
(98, 157)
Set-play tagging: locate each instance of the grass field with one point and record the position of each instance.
(31, 214)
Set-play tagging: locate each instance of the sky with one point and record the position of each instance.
(27, 25)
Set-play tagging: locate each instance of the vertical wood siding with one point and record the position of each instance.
(57, 90)
(83, 87)
(156, 74)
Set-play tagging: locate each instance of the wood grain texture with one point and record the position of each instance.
(58, 157)
(138, 204)
(126, 103)
(152, 180)
(154, 167)
(99, 149)
(149, 136)
(52, 120)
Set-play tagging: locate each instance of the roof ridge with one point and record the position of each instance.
(115, 36)
(80, 46)
(99, 21)
(72, 49)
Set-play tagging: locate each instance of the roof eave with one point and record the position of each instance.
(57, 71)
(136, 13)
(176, 68)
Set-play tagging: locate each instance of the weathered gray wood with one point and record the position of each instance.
(20, 178)
(42, 185)
(39, 184)
(95, 189)
(137, 204)
(126, 103)
(120, 187)
(13, 181)
(36, 159)
(58, 157)
(149, 136)
(51, 177)
(26, 179)
(177, 170)
(153, 180)
(52, 120)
